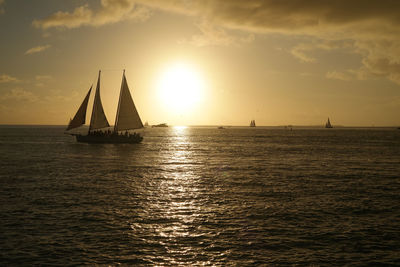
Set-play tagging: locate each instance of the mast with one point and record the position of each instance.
(98, 119)
(119, 103)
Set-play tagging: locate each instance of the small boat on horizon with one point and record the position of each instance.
(328, 124)
(127, 119)
(160, 125)
(253, 123)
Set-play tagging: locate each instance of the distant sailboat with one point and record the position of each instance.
(160, 125)
(328, 124)
(252, 123)
(127, 119)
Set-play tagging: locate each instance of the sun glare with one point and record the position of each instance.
(180, 87)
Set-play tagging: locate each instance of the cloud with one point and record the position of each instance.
(111, 11)
(19, 94)
(296, 16)
(289, 16)
(57, 96)
(80, 16)
(371, 27)
(4, 78)
(381, 58)
(337, 75)
(299, 52)
(41, 80)
(214, 35)
(1, 8)
(37, 49)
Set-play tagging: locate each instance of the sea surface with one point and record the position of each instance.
(201, 196)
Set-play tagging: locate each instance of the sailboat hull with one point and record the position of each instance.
(109, 139)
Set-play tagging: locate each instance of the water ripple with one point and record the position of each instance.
(201, 196)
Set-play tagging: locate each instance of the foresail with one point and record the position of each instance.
(127, 115)
(80, 116)
(98, 119)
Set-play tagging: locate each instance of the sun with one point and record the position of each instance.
(180, 87)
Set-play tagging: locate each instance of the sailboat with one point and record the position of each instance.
(127, 118)
(328, 124)
(253, 123)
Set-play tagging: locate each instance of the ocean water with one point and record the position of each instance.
(201, 196)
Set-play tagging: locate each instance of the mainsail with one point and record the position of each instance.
(127, 115)
(98, 119)
(80, 116)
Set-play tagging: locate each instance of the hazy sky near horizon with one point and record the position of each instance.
(278, 62)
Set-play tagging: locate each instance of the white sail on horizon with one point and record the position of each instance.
(328, 124)
(98, 119)
(127, 117)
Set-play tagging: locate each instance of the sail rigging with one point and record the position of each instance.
(98, 119)
(80, 116)
(127, 115)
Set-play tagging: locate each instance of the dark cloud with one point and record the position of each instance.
(372, 26)
(111, 11)
(278, 15)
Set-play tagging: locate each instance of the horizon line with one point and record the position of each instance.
(225, 125)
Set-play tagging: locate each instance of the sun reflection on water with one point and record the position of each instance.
(175, 205)
(180, 128)
(179, 191)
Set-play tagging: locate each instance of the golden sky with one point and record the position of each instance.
(221, 62)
